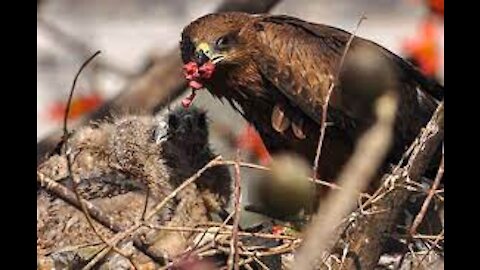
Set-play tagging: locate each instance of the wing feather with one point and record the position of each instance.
(301, 59)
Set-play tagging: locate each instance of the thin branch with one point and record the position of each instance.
(367, 157)
(142, 217)
(438, 239)
(187, 182)
(323, 123)
(263, 168)
(259, 262)
(114, 241)
(418, 219)
(234, 255)
(224, 224)
(96, 213)
(162, 204)
(367, 243)
(72, 90)
(220, 232)
(70, 158)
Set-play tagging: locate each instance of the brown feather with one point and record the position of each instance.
(279, 74)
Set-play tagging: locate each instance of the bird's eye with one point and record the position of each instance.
(202, 121)
(224, 41)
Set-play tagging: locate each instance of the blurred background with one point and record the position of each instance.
(133, 34)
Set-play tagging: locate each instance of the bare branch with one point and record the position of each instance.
(370, 232)
(426, 203)
(369, 153)
(323, 123)
(70, 157)
(234, 256)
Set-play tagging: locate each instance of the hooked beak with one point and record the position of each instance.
(203, 54)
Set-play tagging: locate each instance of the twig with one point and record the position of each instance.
(323, 123)
(76, 247)
(224, 223)
(187, 182)
(259, 262)
(70, 158)
(142, 217)
(107, 249)
(438, 239)
(367, 238)
(72, 90)
(263, 168)
(68, 196)
(426, 203)
(170, 196)
(367, 157)
(222, 232)
(189, 229)
(427, 237)
(234, 256)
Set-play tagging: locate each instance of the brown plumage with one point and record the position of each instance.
(276, 71)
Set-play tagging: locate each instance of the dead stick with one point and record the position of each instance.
(367, 157)
(426, 203)
(323, 121)
(234, 256)
(223, 232)
(65, 194)
(70, 159)
(368, 237)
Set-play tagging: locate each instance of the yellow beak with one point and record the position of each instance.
(205, 48)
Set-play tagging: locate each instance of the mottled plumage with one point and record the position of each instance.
(276, 71)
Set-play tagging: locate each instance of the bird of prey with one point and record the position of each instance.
(276, 71)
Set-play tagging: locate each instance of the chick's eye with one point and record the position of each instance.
(173, 121)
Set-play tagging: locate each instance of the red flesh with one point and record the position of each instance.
(195, 75)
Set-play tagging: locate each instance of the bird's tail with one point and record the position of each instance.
(429, 85)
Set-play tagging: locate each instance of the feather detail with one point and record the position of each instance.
(280, 121)
(297, 127)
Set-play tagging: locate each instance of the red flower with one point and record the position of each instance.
(79, 106)
(251, 141)
(437, 7)
(424, 49)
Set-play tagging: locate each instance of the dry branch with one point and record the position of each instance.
(323, 123)
(426, 203)
(154, 89)
(70, 160)
(368, 156)
(367, 238)
(234, 256)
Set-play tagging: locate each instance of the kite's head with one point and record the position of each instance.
(214, 39)
(211, 43)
